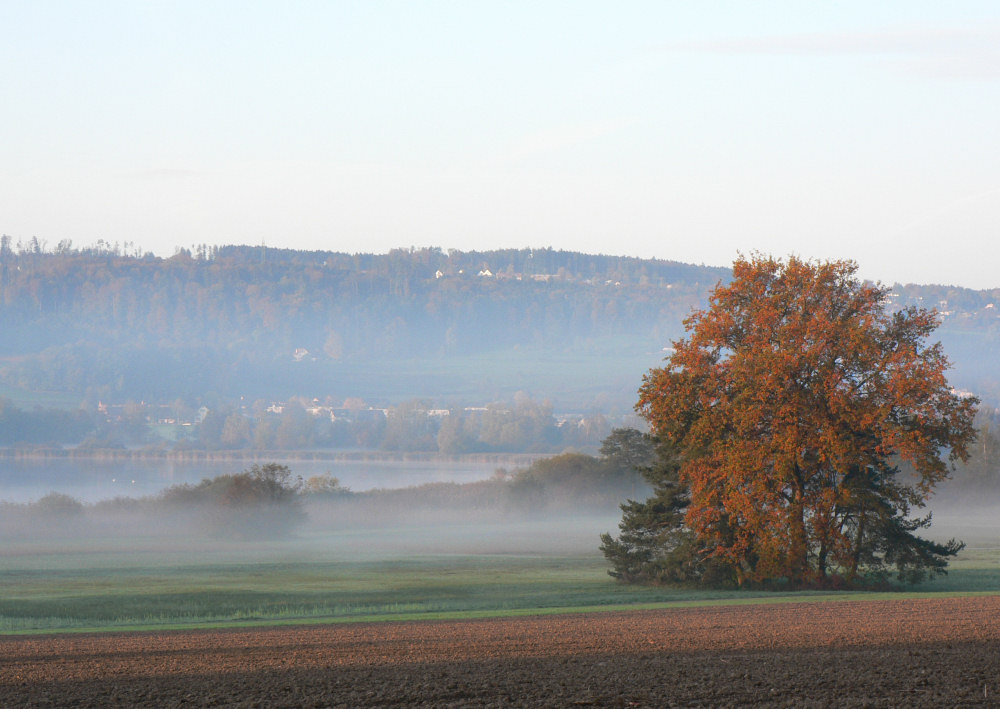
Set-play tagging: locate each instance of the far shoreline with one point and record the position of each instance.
(251, 456)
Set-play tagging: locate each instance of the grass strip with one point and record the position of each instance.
(250, 623)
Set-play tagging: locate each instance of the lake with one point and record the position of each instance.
(27, 479)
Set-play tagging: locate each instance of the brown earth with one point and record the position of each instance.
(897, 653)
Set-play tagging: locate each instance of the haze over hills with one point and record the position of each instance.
(454, 328)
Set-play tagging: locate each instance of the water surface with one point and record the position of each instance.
(24, 480)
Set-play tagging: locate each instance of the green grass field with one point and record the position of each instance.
(59, 585)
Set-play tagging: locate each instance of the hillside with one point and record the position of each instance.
(449, 327)
(239, 321)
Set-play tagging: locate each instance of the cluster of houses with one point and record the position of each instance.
(151, 413)
(164, 414)
(485, 272)
(944, 309)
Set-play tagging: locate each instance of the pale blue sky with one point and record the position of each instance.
(680, 130)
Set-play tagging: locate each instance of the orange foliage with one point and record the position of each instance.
(793, 383)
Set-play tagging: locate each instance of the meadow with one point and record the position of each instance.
(426, 570)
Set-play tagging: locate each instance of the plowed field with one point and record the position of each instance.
(937, 652)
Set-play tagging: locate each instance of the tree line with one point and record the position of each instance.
(268, 500)
(522, 425)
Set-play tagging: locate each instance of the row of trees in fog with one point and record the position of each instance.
(269, 501)
(19, 426)
(523, 425)
(520, 426)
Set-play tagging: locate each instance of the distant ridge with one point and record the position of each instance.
(114, 324)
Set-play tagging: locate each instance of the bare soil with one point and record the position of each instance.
(897, 653)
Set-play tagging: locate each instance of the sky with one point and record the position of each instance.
(693, 132)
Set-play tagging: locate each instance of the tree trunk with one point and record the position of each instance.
(798, 548)
(852, 573)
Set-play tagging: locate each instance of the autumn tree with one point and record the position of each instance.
(807, 422)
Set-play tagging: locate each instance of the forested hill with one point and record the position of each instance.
(454, 327)
(245, 321)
